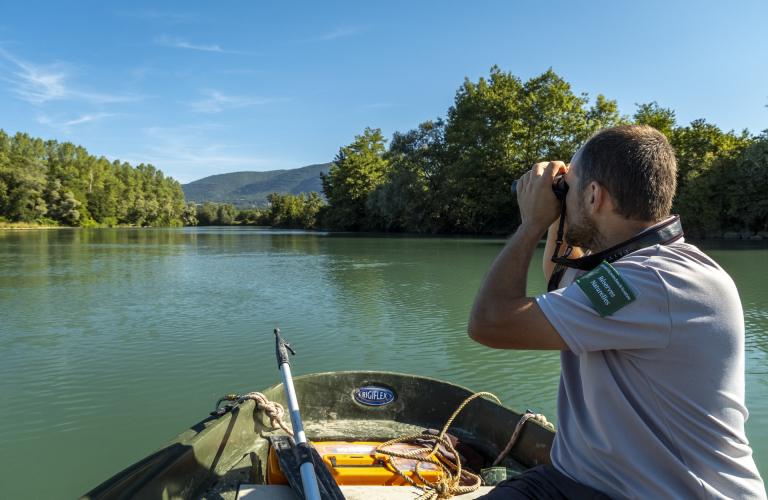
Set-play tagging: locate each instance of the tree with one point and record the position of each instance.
(226, 214)
(189, 214)
(312, 207)
(355, 172)
(250, 216)
(100, 205)
(23, 175)
(699, 139)
(139, 212)
(748, 193)
(653, 115)
(702, 200)
(207, 214)
(412, 194)
(64, 206)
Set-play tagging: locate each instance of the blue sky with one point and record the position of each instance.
(203, 88)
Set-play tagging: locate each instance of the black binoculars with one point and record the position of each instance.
(559, 187)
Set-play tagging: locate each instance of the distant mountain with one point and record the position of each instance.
(252, 188)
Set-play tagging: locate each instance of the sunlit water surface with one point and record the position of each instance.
(112, 342)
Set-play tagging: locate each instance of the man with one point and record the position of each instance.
(651, 396)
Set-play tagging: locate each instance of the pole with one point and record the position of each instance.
(303, 447)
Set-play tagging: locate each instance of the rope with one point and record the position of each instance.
(271, 409)
(274, 411)
(523, 419)
(447, 484)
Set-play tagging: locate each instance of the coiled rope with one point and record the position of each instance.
(274, 411)
(448, 484)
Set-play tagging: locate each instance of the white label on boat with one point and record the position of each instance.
(374, 396)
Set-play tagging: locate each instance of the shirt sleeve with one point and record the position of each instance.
(641, 328)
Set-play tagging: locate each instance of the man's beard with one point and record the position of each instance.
(582, 232)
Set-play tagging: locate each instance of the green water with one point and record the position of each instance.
(112, 342)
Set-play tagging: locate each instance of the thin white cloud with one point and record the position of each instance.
(38, 83)
(179, 43)
(217, 102)
(66, 125)
(341, 32)
(89, 118)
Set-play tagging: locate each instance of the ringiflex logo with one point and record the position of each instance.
(374, 396)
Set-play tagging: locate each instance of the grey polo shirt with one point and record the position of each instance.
(651, 397)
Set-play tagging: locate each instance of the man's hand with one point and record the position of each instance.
(539, 207)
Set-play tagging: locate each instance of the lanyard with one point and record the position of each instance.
(662, 234)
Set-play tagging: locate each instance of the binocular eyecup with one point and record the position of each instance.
(559, 187)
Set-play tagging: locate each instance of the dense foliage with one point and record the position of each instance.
(53, 183)
(722, 176)
(454, 175)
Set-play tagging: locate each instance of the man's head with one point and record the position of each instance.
(635, 166)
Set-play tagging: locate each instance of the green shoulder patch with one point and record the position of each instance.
(606, 288)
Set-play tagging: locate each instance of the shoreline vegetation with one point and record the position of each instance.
(744, 234)
(449, 176)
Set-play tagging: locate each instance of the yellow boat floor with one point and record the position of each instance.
(277, 492)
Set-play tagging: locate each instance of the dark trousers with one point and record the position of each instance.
(543, 482)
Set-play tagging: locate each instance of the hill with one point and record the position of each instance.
(252, 188)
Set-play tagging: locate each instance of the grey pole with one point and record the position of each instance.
(306, 465)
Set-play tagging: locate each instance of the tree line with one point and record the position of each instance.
(448, 175)
(285, 211)
(52, 183)
(453, 174)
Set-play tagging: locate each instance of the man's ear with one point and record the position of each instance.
(597, 197)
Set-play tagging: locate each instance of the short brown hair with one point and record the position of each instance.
(636, 164)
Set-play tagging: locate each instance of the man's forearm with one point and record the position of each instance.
(502, 316)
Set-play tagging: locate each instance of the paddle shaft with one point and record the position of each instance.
(307, 469)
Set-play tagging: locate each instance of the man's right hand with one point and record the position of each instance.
(539, 207)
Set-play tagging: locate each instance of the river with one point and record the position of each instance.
(114, 341)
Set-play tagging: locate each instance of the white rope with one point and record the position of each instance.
(523, 419)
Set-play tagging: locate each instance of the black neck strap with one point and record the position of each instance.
(663, 234)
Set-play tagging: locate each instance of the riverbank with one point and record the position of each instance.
(25, 225)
